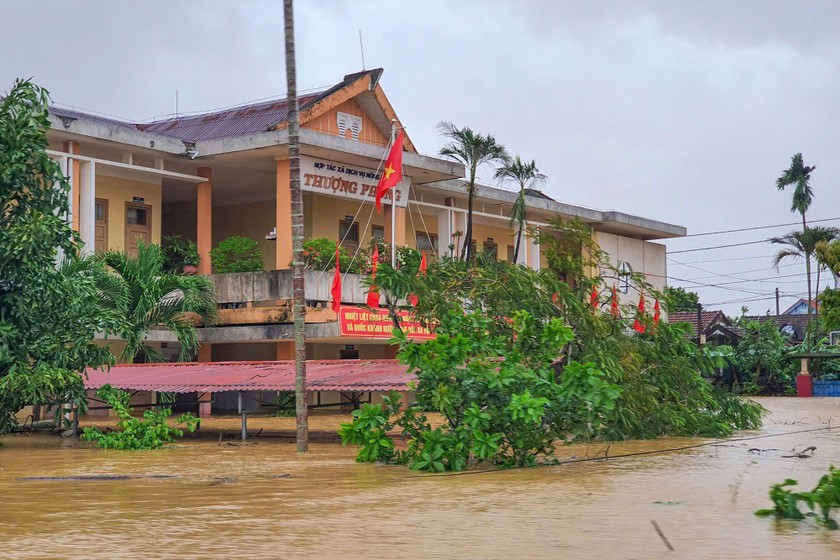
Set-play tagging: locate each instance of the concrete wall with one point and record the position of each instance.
(643, 257)
(118, 191)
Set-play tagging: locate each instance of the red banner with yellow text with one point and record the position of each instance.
(357, 322)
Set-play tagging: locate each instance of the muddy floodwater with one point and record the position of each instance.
(210, 499)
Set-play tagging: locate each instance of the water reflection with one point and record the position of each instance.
(265, 501)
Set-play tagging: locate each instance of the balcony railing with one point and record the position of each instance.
(265, 296)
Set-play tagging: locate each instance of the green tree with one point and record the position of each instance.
(798, 176)
(49, 314)
(801, 245)
(148, 297)
(828, 256)
(527, 177)
(677, 299)
(760, 357)
(521, 360)
(472, 150)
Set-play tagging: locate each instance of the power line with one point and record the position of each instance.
(721, 232)
(726, 260)
(720, 246)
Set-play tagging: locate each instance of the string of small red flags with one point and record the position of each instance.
(392, 172)
(614, 303)
(412, 298)
(638, 326)
(336, 285)
(373, 291)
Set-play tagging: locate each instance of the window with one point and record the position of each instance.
(100, 211)
(491, 249)
(377, 232)
(510, 249)
(136, 216)
(348, 234)
(347, 122)
(427, 242)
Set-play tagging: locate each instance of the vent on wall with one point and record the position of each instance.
(349, 122)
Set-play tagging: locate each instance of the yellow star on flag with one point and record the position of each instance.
(388, 171)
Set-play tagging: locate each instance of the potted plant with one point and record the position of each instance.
(180, 255)
(190, 258)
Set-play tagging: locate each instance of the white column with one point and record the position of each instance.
(87, 203)
(459, 223)
(444, 232)
(534, 251)
(522, 257)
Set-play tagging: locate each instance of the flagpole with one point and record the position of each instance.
(393, 206)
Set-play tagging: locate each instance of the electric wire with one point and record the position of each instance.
(754, 228)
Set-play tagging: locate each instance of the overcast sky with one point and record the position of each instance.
(679, 111)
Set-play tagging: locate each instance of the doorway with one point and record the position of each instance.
(138, 225)
(100, 237)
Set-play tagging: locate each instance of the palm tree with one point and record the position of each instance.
(147, 297)
(298, 289)
(471, 149)
(798, 175)
(527, 176)
(802, 244)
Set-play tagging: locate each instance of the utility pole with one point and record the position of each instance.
(777, 302)
(699, 323)
(298, 289)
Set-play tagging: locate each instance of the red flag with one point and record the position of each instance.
(554, 298)
(373, 291)
(614, 303)
(656, 312)
(593, 298)
(637, 325)
(412, 298)
(392, 172)
(336, 285)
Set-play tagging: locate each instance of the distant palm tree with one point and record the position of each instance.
(527, 176)
(802, 244)
(471, 149)
(798, 176)
(147, 297)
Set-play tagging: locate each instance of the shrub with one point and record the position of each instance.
(149, 433)
(237, 254)
(825, 496)
(319, 255)
(178, 252)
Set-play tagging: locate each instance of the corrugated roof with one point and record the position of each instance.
(220, 377)
(238, 121)
(242, 120)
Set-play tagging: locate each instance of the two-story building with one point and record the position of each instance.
(212, 175)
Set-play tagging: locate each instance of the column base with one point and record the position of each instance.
(804, 386)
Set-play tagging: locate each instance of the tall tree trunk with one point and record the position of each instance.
(467, 251)
(808, 272)
(518, 241)
(298, 291)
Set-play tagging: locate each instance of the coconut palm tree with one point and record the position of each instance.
(298, 289)
(802, 244)
(147, 297)
(528, 177)
(471, 149)
(798, 176)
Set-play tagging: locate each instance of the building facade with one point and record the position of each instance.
(209, 176)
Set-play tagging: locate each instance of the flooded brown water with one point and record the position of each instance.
(263, 500)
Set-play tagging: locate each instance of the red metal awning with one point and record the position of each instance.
(220, 377)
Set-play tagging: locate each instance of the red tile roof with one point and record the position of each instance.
(218, 377)
(707, 319)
